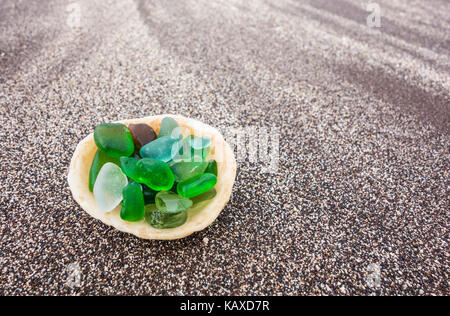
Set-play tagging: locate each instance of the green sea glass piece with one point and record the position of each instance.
(133, 208)
(212, 167)
(129, 167)
(155, 174)
(114, 140)
(149, 195)
(170, 127)
(163, 220)
(164, 149)
(100, 159)
(196, 185)
(184, 170)
(211, 194)
(200, 201)
(172, 203)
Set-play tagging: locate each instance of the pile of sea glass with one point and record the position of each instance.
(158, 178)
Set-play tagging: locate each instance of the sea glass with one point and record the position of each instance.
(163, 220)
(142, 134)
(172, 203)
(174, 187)
(211, 194)
(170, 127)
(212, 167)
(108, 187)
(149, 195)
(198, 142)
(194, 149)
(155, 174)
(129, 167)
(184, 170)
(200, 201)
(133, 207)
(196, 185)
(114, 140)
(100, 159)
(164, 149)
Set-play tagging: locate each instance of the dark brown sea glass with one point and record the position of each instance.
(142, 134)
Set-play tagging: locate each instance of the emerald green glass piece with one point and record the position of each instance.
(170, 127)
(114, 140)
(133, 208)
(196, 185)
(163, 220)
(155, 174)
(184, 170)
(100, 159)
(164, 149)
(172, 203)
(212, 167)
(211, 194)
(129, 167)
(149, 195)
(201, 201)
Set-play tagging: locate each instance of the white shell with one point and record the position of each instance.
(198, 218)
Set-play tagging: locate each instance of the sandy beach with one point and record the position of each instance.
(359, 203)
